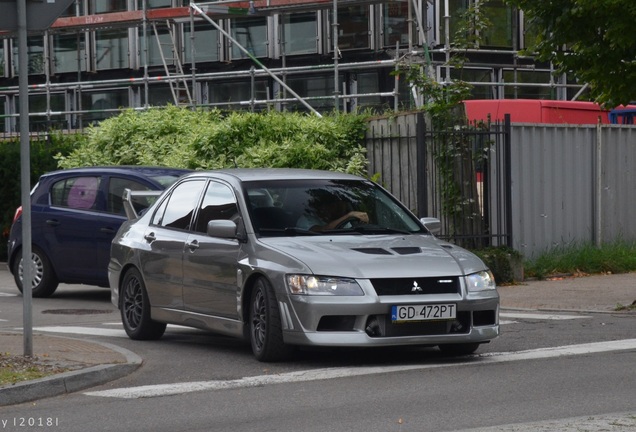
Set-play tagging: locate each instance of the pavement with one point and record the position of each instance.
(93, 363)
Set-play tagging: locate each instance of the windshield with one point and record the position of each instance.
(313, 207)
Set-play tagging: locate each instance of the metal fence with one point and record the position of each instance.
(532, 187)
(572, 185)
(461, 176)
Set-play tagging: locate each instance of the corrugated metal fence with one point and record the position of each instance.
(572, 185)
(557, 185)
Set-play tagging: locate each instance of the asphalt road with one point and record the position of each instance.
(548, 371)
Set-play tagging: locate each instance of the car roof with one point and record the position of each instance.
(121, 169)
(256, 174)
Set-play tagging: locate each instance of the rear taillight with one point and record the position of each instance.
(18, 213)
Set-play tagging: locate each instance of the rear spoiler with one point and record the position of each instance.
(128, 196)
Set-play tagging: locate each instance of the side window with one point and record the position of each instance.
(116, 186)
(218, 203)
(180, 205)
(76, 193)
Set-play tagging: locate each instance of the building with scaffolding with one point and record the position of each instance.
(102, 56)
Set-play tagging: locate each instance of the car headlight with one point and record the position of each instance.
(322, 285)
(481, 281)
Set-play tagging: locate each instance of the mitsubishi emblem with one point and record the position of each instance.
(416, 288)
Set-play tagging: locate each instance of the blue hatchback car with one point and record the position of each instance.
(75, 214)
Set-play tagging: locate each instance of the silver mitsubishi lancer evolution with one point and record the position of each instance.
(287, 258)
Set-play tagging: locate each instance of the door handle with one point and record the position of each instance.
(193, 245)
(107, 230)
(53, 222)
(150, 237)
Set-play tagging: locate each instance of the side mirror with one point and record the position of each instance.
(222, 228)
(432, 224)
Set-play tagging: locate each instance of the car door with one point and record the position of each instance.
(109, 221)
(210, 264)
(162, 260)
(69, 228)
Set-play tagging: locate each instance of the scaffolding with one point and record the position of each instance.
(185, 88)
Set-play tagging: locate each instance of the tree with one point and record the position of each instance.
(591, 39)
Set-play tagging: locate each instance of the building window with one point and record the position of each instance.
(528, 85)
(455, 10)
(102, 105)
(301, 33)
(39, 105)
(75, 9)
(69, 53)
(3, 59)
(500, 33)
(206, 42)
(160, 95)
(321, 86)
(529, 33)
(111, 49)
(4, 122)
(353, 27)
(229, 94)
(395, 24)
(251, 33)
(35, 47)
(157, 49)
(106, 6)
(366, 83)
(480, 79)
(153, 4)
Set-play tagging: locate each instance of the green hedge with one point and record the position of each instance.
(177, 137)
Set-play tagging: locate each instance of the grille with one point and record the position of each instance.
(414, 286)
(382, 326)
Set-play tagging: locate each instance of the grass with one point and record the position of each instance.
(617, 257)
(15, 369)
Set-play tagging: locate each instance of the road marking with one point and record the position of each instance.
(333, 373)
(7, 295)
(95, 331)
(82, 331)
(537, 316)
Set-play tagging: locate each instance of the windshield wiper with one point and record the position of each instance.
(288, 231)
(370, 229)
(299, 231)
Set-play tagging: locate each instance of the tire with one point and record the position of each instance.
(135, 309)
(456, 350)
(266, 334)
(44, 278)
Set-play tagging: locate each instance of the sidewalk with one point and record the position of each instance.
(89, 364)
(598, 293)
(93, 363)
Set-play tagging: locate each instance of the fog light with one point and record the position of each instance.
(457, 327)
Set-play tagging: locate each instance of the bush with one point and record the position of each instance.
(178, 137)
(505, 263)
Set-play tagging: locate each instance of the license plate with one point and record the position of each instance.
(423, 312)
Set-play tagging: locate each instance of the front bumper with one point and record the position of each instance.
(366, 320)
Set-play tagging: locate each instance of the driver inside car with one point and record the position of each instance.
(329, 214)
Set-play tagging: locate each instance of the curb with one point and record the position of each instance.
(562, 310)
(69, 382)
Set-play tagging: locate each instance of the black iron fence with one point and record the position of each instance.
(460, 175)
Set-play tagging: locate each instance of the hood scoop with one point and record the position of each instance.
(407, 250)
(373, 251)
(397, 250)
